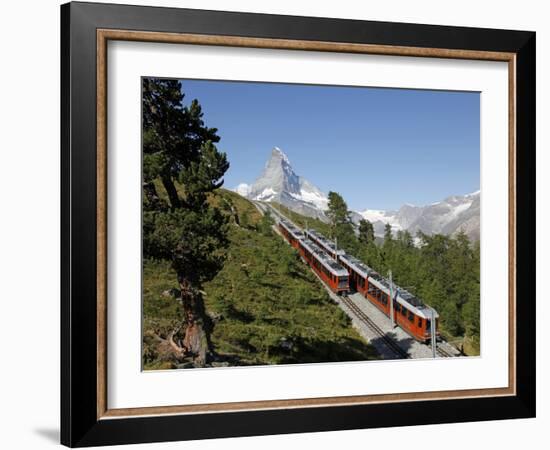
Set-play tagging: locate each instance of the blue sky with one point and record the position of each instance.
(379, 148)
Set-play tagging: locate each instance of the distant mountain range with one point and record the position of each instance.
(453, 214)
(279, 183)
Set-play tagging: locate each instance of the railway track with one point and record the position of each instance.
(443, 353)
(389, 342)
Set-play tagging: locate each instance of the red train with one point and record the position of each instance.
(291, 233)
(326, 244)
(410, 313)
(329, 270)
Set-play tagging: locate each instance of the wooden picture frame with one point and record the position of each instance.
(85, 416)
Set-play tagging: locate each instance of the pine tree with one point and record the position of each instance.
(265, 224)
(433, 293)
(179, 151)
(337, 213)
(366, 231)
(340, 222)
(471, 314)
(388, 236)
(405, 239)
(451, 319)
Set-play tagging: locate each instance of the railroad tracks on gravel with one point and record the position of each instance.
(443, 353)
(388, 341)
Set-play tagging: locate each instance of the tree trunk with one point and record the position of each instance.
(151, 195)
(167, 348)
(171, 191)
(197, 331)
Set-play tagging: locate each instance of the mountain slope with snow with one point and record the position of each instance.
(279, 183)
(448, 216)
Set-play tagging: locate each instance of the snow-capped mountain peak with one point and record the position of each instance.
(454, 213)
(279, 183)
(277, 152)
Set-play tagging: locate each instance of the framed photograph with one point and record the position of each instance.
(276, 224)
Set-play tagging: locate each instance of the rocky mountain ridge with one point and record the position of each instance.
(280, 183)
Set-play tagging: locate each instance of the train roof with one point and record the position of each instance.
(292, 229)
(381, 283)
(414, 304)
(324, 242)
(324, 259)
(402, 296)
(357, 265)
(408, 297)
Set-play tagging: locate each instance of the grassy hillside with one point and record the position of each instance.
(266, 305)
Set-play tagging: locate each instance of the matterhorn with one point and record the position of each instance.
(279, 183)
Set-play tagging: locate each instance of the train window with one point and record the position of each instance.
(396, 306)
(403, 311)
(428, 324)
(419, 322)
(411, 317)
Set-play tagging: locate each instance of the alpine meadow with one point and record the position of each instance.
(367, 258)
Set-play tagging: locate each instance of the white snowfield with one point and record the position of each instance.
(318, 199)
(446, 216)
(378, 215)
(266, 195)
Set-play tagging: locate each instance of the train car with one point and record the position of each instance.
(410, 313)
(326, 244)
(291, 233)
(414, 316)
(333, 274)
(358, 273)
